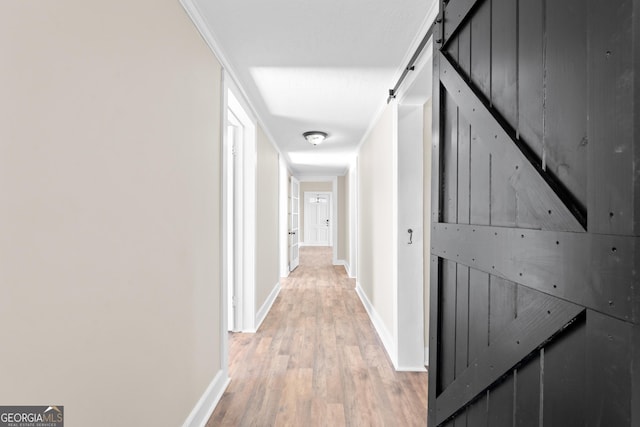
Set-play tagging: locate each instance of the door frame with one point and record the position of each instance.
(413, 177)
(333, 179)
(331, 219)
(231, 171)
(244, 235)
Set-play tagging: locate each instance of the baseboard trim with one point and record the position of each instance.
(411, 369)
(264, 310)
(208, 401)
(350, 273)
(303, 244)
(378, 324)
(426, 356)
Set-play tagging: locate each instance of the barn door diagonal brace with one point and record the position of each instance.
(549, 202)
(530, 331)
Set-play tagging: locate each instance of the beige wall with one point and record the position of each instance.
(343, 218)
(427, 135)
(375, 217)
(109, 207)
(267, 227)
(311, 186)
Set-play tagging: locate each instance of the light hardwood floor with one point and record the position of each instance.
(317, 361)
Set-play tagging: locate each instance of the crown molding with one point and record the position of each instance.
(199, 21)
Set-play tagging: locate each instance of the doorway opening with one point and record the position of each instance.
(413, 198)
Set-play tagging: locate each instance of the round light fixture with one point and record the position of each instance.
(315, 137)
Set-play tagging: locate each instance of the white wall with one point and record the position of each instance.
(109, 210)
(343, 219)
(376, 224)
(410, 284)
(353, 219)
(390, 201)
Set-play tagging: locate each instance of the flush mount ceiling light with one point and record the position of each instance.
(315, 137)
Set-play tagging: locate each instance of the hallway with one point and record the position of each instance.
(316, 360)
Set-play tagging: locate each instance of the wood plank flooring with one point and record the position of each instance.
(317, 361)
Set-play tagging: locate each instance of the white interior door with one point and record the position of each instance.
(294, 223)
(317, 223)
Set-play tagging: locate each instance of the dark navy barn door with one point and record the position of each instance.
(535, 266)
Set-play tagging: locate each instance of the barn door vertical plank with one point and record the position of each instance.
(450, 159)
(501, 404)
(564, 378)
(478, 313)
(464, 135)
(636, 132)
(481, 48)
(462, 319)
(504, 100)
(635, 378)
(527, 399)
(434, 339)
(447, 357)
(461, 419)
(530, 73)
(530, 89)
(565, 119)
(464, 171)
(609, 370)
(477, 413)
(612, 184)
(504, 74)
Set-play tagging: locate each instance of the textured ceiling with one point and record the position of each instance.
(317, 65)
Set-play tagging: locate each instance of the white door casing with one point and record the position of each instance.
(230, 143)
(239, 222)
